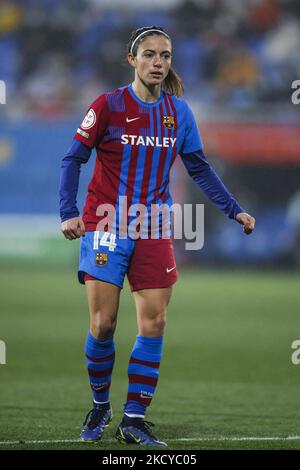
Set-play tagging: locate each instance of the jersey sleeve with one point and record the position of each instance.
(93, 126)
(192, 140)
(69, 179)
(208, 180)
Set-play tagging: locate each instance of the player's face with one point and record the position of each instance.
(153, 60)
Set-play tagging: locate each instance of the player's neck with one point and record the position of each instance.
(149, 94)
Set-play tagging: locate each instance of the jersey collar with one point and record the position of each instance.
(144, 103)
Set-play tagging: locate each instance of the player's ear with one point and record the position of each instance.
(130, 58)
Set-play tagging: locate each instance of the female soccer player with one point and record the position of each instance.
(138, 131)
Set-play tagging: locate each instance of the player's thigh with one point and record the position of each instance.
(151, 304)
(103, 300)
(104, 260)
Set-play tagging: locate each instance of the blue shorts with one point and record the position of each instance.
(148, 263)
(104, 256)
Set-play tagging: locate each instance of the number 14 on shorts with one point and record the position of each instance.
(104, 239)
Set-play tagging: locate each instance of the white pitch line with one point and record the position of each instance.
(54, 441)
(185, 439)
(242, 438)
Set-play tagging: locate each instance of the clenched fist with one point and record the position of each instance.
(73, 228)
(247, 221)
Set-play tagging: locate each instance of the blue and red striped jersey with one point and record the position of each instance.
(136, 144)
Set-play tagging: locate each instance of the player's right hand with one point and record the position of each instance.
(247, 221)
(73, 228)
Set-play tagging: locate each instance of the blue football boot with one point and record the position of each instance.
(95, 422)
(137, 431)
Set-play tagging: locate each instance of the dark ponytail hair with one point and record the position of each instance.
(172, 84)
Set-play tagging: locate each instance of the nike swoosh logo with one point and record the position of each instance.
(134, 119)
(169, 270)
(97, 389)
(146, 396)
(136, 439)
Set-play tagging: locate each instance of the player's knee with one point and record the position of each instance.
(103, 328)
(102, 332)
(159, 321)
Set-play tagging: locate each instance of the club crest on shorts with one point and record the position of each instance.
(101, 259)
(169, 121)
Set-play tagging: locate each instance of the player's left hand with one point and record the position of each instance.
(247, 221)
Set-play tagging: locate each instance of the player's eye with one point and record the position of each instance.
(149, 55)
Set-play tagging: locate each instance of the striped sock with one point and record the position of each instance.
(143, 374)
(100, 357)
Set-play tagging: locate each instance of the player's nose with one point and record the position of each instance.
(157, 62)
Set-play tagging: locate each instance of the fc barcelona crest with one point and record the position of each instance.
(169, 121)
(101, 259)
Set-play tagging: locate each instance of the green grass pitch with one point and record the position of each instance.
(226, 379)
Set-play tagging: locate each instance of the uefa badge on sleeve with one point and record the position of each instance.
(169, 122)
(89, 120)
(101, 259)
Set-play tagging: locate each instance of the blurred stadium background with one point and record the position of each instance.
(238, 61)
